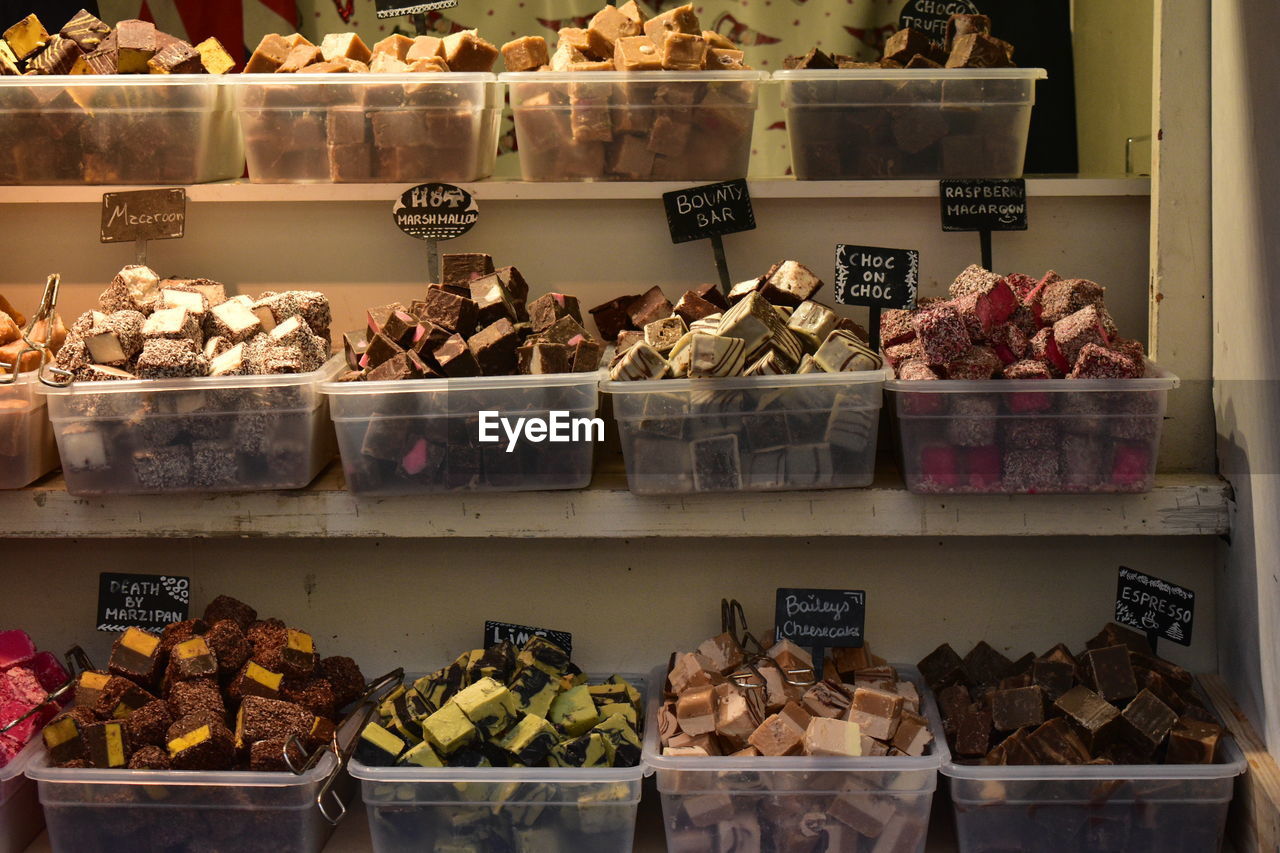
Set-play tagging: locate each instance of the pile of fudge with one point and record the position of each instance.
(721, 701)
(1115, 702)
(766, 326)
(370, 131)
(228, 691)
(1019, 328)
(148, 327)
(649, 130)
(476, 322)
(851, 127)
(968, 44)
(86, 45)
(13, 346)
(506, 707)
(27, 677)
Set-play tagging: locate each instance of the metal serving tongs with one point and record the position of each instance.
(48, 304)
(749, 676)
(374, 693)
(77, 661)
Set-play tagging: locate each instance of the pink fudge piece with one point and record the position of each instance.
(49, 671)
(15, 648)
(939, 465)
(1021, 284)
(1097, 362)
(1131, 465)
(982, 465)
(942, 333)
(984, 311)
(978, 363)
(1045, 350)
(974, 279)
(21, 685)
(1009, 342)
(1024, 402)
(23, 732)
(895, 327)
(1131, 348)
(920, 404)
(1074, 331)
(415, 461)
(9, 749)
(1031, 471)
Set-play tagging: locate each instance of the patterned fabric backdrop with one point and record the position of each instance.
(768, 30)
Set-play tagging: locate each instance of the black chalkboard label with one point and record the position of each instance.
(496, 632)
(821, 617)
(141, 601)
(930, 16)
(1159, 608)
(984, 204)
(711, 210)
(144, 215)
(435, 211)
(879, 278)
(396, 8)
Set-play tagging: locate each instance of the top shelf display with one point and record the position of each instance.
(646, 111)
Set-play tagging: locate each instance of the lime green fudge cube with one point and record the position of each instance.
(422, 755)
(448, 729)
(530, 739)
(489, 705)
(587, 751)
(534, 690)
(573, 712)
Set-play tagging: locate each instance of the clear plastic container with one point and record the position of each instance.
(634, 125)
(865, 803)
(1159, 808)
(223, 434)
(861, 124)
(20, 817)
(27, 448)
(423, 435)
(126, 129)
(492, 809)
(1053, 436)
(749, 433)
(123, 811)
(355, 128)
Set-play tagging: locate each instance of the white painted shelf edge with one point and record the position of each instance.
(514, 190)
(1179, 505)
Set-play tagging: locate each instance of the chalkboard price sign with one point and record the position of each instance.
(144, 215)
(149, 602)
(821, 617)
(712, 210)
(930, 16)
(984, 204)
(496, 632)
(1159, 608)
(879, 278)
(396, 8)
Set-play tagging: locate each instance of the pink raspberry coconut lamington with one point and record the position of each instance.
(1015, 327)
(27, 677)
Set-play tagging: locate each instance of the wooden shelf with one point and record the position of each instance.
(514, 190)
(1179, 505)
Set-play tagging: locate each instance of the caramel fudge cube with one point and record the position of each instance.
(425, 47)
(466, 51)
(525, 54)
(606, 27)
(683, 52)
(395, 45)
(777, 735)
(682, 19)
(345, 46)
(636, 53)
(268, 56)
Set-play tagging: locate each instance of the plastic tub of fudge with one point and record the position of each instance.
(27, 447)
(874, 123)
(634, 125)
(20, 817)
(90, 130)
(822, 801)
(430, 776)
(749, 433)
(1052, 436)
(109, 810)
(200, 434)
(415, 436)
(350, 128)
(1121, 753)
